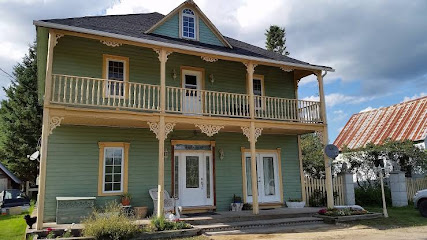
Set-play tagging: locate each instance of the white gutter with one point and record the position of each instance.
(172, 45)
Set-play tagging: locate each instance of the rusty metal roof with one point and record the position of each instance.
(407, 120)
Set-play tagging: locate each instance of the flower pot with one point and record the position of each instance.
(125, 201)
(236, 207)
(295, 204)
(141, 212)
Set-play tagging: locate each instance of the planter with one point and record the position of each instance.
(169, 234)
(236, 207)
(295, 204)
(125, 201)
(141, 212)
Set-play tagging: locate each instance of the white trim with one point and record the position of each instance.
(121, 173)
(181, 22)
(172, 45)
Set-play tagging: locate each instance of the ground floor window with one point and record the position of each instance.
(113, 164)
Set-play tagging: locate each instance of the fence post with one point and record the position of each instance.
(399, 195)
(348, 188)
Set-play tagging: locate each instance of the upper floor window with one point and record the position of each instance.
(188, 24)
(116, 72)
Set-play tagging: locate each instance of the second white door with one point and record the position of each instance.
(192, 82)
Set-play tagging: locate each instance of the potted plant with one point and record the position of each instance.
(295, 203)
(237, 203)
(125, 198)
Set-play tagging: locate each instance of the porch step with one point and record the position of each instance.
(246, 216)
(217, 227)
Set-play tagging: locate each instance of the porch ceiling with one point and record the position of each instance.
(129, 119)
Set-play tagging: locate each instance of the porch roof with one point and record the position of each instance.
(135, 26)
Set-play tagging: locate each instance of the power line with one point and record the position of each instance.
(8, 74)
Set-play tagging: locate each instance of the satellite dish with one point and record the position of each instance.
(331, 151)
(34, 156)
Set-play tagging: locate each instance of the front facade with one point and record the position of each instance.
(143, 101)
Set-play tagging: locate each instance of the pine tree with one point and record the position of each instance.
(21, 119)
(276, 39)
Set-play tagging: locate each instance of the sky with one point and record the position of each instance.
(377, 47)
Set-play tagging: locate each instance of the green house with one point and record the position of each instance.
(142, 101)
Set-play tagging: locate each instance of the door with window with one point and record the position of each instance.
(195, 178)
(267, 177)
(258, 87)
(116, 72)
(192, 82)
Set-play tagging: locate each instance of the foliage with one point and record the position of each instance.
(341, 212)
(110, 223)
(370, 195)
(162, 224)
(276, 39)
(294, 200)
(126, 195)
(362, 161)
(312, 155)
(237, 199)
(21, 119)
(247, 206)
(319, 199)
(12, 227)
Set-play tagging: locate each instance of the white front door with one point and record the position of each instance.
(268, 177)
(192, 82)
(195, 178)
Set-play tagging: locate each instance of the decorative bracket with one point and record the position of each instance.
(247, 132)
(54, 122)
(208, 129)
(209, 59)
(154, 127)
(57, 37)
(248, 69)
(110, 43)
(159, 52)
(287, 69)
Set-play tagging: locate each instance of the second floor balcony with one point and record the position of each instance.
(100, 93)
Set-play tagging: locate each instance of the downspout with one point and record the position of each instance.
(323, 75)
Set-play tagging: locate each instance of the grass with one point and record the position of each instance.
(398, 217)
(13, 227)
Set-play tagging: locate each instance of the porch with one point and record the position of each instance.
(101, 93)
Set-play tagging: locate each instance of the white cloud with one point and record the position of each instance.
(338, 115)
(334, 99)
(367, 109)
(423, 94)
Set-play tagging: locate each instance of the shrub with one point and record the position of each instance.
(318, 198)
(370, 195)
(162, 224)
(110, 223)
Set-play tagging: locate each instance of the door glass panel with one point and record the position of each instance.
(208, 178)
(176, 177)
(191, 83)
(248, 176)
(192, 172)
(269, 183)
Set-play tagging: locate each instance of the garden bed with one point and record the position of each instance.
(337, 219)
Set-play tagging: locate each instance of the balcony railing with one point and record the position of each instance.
(95, 92)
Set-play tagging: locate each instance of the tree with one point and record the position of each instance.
(21, 119)
(312, 155)
(276, 39)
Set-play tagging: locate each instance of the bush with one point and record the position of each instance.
(319, 199)
(162, 224)
(110, 223)
(370, 195)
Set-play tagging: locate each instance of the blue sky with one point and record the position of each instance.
(378, 47)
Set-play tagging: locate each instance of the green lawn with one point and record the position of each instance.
(398, 217)
(13, 227)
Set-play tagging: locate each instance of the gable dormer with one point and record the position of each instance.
(188, 22)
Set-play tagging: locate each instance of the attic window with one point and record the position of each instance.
(188, 24)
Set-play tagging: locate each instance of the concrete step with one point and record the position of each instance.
(216, 227)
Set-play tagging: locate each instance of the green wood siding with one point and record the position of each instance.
(73, 154)
(169, 28)
(42, 42)
(206, 35)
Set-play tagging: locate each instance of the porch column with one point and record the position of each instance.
(163, 57)
(328, 173)
(45, 131)
(250, 68)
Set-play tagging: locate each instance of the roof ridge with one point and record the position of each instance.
(101, 16)
(393, 105)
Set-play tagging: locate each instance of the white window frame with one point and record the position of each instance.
(121, 172)
(195, 24)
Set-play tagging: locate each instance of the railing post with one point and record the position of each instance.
(328, 163)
